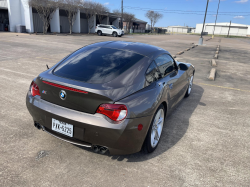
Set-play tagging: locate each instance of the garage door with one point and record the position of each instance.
(64, 24)
(37, 22)
(184, 30)
(224, 30)
(4, 19)
(242, 32)
(217, 30)
(234, 31)
(209, 29)
(84, 25)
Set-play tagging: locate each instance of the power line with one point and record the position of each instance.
(183, 12)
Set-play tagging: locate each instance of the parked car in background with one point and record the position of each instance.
(108, 30)
(112, 96)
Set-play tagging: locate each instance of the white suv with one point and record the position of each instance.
(108, 30)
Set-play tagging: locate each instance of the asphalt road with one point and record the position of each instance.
(205, 141)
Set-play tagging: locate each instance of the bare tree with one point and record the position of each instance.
(101, 10)
(71, 8)
(127, 17)
(45, 9)
(118, 13)
(154, 17)
(89, 9)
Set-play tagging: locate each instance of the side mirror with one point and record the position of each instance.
(182, 67)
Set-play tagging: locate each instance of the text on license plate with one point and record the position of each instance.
(62, 127)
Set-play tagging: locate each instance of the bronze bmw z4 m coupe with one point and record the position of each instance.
(110, 96)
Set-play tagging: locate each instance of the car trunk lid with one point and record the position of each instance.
(71, 96)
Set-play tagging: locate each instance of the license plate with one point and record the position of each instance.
(62, 127)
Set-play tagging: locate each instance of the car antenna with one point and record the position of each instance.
(47, 66)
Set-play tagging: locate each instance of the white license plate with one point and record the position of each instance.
(62, 127)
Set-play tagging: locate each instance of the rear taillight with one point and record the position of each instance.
(115, 112)
(34, 89)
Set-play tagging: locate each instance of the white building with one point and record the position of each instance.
(18, 12)
(181, 29)
(223, 28)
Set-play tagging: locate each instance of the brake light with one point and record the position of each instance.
(34, 89)
(64, 87)
(116, 112)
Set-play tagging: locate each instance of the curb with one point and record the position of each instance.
(181, 52)
(213, 62)
(216, 56)
(212, 74)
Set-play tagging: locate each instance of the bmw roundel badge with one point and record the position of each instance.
(62, 94)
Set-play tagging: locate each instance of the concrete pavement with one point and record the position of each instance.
(205, 141)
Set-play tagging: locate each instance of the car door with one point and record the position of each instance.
(109, 30)
(170, 76)
(104, 29)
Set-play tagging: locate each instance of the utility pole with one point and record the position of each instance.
(122, 16)
(216, 17)
(201, 39)
(229, 29)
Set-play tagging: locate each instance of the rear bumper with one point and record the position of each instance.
(89, 129)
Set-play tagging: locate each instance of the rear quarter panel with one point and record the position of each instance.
(144, 102)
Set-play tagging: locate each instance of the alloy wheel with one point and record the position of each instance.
(190, 85)
(157, 128)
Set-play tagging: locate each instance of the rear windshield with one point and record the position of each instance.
(96, 65)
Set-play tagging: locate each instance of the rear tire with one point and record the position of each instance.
(188, 92)
(99, 33)
(155, 130)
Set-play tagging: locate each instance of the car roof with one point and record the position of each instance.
(136, 47)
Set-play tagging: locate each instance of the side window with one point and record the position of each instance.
(152, 73)
(165, 64)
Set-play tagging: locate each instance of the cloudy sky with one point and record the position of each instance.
(188, 12)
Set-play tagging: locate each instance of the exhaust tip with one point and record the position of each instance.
(99, 149)
(95, 148)
(103, 150)
(37, 125)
